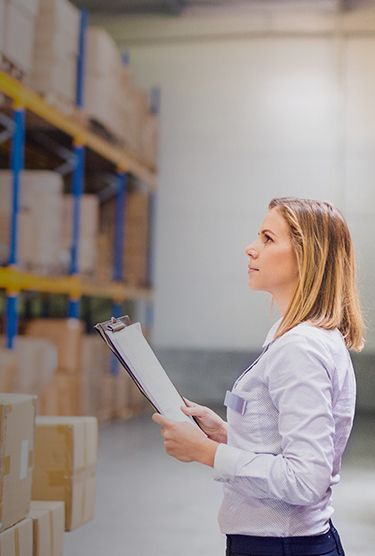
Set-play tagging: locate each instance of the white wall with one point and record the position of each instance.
(244, 120)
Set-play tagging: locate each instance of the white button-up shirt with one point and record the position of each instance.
(287, 435)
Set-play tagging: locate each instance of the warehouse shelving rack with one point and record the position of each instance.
(12, 279)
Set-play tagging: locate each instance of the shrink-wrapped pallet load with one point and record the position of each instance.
(65, 465)
(88, 231)
(136, 239)
(17, 425)
(17, 33)
(101, 80)
(136, 236)
(2, 25)
(41, 213)
(54, 70)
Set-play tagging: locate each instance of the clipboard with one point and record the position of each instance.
(126, 340)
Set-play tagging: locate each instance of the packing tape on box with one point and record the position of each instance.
(84, 473)
(51, 530)
(58, 479)
(6, 408)
(16, 541)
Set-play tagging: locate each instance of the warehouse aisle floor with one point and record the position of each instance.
(149, 504)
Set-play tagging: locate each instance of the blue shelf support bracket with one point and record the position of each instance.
(11, 323)
(77, 191)
(118, 266)
(151, 238)
(17, 163)
(81, 58)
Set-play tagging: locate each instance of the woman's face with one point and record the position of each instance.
(272, 265)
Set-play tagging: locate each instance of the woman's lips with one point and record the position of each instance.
(252, 269)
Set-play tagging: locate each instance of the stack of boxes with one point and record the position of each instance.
(103, 66)
(48, 477)
(88, 231)
(40, 218)
(112, 100)
(54, 70)
(17, 33)
(65, 391)
(40, 38)
(69, 371)
(136, 239)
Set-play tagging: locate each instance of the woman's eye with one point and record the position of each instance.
(268, 238)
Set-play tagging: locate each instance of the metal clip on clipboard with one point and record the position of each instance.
(115, 325)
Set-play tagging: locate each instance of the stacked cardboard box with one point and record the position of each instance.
(112, 99)
(65, 465)
(17, 425)
(41, 204)
(109, 395)
(102, 66)
(36, 364)
(8, 369)
(17, 32)
(136, 240)
(88, 231)
(29, 366)
(18, 539)
(48, 527)
(64, 395)
(54, 69)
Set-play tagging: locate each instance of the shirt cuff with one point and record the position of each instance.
(225, 463)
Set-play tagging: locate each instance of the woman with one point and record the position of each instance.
(289, 414)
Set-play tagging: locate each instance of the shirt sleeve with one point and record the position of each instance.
(298, 376)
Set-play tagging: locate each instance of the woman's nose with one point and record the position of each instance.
(251, 251)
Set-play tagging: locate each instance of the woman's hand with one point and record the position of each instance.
(186, 442)
(208, 420)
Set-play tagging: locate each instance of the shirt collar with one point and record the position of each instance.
(271, 333)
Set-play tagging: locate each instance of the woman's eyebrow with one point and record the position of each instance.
(267, 232)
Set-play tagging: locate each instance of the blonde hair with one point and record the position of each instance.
(326, 294)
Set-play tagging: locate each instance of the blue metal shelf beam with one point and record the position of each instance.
(118, 267)
(17, 163)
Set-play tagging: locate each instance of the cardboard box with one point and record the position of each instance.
(102, 53)
(65, 395)
(17, 418)
(2, 25)
(8, 368)
(66, 334)
(19, 33)
(18, 540)
(31, 6)
(62, 17)
(36, 364)
(88, 230)
(49, 526)
(40, 218)
(65, 465)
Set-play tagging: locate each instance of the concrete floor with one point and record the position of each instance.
(150, 504)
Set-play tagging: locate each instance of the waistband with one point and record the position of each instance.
(286, 546)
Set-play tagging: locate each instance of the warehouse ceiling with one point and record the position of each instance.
(181, 7)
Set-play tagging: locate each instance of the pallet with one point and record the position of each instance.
(11, 69)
